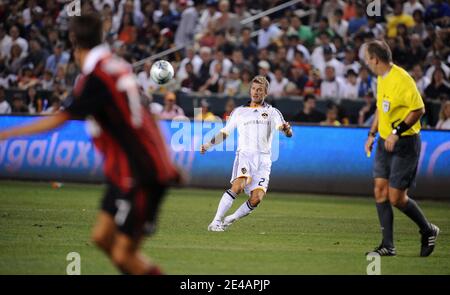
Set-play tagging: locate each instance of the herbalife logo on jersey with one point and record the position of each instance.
(256, 135)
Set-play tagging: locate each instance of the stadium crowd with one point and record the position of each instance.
(311, 51)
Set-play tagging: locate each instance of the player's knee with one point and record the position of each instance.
(380, 193)
(120, 257)
(102, 240)
(398, 202)
(255, 199)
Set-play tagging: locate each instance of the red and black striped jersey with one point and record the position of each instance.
(124, 131)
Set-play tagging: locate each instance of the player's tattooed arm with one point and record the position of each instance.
(220, 137)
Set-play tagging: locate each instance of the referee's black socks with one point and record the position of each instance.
(412, 210)
(386, 217)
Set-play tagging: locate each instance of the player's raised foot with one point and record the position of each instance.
(429, 240)
(383, 251)
(216, 225)
(227, 222)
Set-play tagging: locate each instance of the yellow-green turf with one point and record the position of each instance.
(286, 234)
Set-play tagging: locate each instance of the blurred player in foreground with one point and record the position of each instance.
(137, 166)
(256, 123)
(397, 119)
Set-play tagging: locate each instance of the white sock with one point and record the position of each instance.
(225, 204)
(242, 211)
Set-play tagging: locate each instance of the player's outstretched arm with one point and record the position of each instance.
(220, 137)
(39, 126)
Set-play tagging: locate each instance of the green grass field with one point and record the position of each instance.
(287, 234)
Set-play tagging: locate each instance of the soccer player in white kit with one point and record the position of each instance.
(256, 122)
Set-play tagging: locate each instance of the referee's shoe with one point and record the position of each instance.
(429, 240)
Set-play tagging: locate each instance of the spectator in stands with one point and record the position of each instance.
(244, 87)
(349, 61)
(268, 34)
(350, 85)
(312, 86)
(239, 62)
(437, 61)
(5, 43)
(5, 108)
(350, 9)
(412, 5)
(226, 64)
(37, 57)
(422, 81)
(18, 105)
(338, 24)
(439, 87)
(189, 80)
(232, 83)
(208, 15)
(205, 114)
(241, 14)
(437, 12)
(55, 106)
(186, 30)
(171, 109)
(26, 78)
(331, 116)
(329, 10)
(192, 58)
(264, 69)
(415, 52)
(357, 23)
(226, 20)
(419, 24)
(365, 114)
(365, 82)
(444, 116)
(31, 100)
(309, 114)
(297, 80)
(278, 84)
(203, 73)
(398, 18)
(248, 47)
(59, 57)
(375, 28)
(16, 39)
(47, 80)
(229, 107)
(215, 82)
(15, 60)
(331, 87)
(303, 31)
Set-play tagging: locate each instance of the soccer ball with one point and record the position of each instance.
(161, 72)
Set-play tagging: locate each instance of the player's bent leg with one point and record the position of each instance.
(104, 231)
(245, 209)
(126, 256)
(226, 202)
(429, 232)
(385, 217)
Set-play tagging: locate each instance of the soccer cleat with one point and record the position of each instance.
(429, 240)
(216, 225)
(227, 222)
(383, 251)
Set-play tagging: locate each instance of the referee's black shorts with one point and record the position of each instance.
(399, 166)
(135, 212)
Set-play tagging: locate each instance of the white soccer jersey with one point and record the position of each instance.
(255, 127)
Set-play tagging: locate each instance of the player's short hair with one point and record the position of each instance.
(88, 30)
(379, 49)
(261, 80)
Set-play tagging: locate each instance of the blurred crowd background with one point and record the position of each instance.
(311, 52)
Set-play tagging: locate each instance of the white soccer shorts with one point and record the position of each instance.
(256, 167)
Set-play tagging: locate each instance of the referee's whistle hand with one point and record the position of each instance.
(390, 142)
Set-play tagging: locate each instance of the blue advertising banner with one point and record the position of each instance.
(316, 159)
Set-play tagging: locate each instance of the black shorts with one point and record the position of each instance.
(399, 166)
(135, 213)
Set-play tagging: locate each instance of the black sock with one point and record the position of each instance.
(412, 210)
(386, 217)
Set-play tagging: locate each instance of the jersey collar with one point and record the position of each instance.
(94, 55)
(264, 104)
